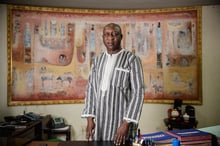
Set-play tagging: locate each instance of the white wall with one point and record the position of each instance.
(152, 114)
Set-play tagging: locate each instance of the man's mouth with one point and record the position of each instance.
(110, 43)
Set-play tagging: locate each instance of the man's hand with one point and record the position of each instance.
(90, 128)
(121, 133)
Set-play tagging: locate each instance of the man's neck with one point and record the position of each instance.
(114, 51)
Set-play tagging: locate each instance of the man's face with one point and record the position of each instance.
(112, 39)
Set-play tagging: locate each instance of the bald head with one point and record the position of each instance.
(116, 27)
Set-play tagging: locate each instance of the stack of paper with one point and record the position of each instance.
(215, 130)
(61, 129)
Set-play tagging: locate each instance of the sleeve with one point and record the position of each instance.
(90, 99)
(137, 92)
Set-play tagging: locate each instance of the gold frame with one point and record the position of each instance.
(194, 14)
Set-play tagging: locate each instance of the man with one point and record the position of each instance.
(115, 91)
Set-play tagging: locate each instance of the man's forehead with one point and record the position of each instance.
(111, 28)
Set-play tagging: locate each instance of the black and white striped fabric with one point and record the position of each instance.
(122, 100)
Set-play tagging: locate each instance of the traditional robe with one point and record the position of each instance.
(120, 98)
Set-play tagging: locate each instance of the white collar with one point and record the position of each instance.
(116, 54)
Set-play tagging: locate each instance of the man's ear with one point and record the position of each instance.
(121, 36)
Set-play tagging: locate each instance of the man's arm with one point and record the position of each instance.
(137, 92)
(90, 128)
(136, 102)
(89, 109)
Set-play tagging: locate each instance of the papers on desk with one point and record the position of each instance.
(61, 129)
(215, 130)
(13, 126)
(20, 126)
(212, 129)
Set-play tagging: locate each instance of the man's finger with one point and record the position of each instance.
(124, 139)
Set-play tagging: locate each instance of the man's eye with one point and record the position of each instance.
(106, 35)
(112, 34)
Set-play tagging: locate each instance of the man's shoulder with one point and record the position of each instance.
(99, 55)
(128, 52)
(131, 54)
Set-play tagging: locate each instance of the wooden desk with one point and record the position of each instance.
(4, 141)
(43, 143)
(73, 143)
(32, 131)
(90, 143)
(27, 131)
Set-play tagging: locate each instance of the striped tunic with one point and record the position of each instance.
(123, 98)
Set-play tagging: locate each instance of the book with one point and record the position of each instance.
(158, 137)
(196, 142)
(190, 135)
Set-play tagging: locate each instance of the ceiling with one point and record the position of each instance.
(113, 4)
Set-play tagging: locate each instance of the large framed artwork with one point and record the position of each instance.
(50, 51)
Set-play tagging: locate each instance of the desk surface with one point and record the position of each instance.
(73, 143)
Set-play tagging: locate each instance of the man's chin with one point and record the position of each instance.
(110, 49)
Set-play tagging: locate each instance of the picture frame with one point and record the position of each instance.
(50, 51)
